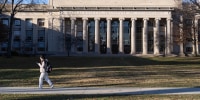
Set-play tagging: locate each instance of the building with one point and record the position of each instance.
(95, 27)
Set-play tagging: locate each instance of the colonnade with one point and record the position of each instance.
(156, 32)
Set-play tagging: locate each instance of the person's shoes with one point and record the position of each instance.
(52, 86)
(40, 87)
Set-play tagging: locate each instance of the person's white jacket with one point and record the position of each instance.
(42, 66)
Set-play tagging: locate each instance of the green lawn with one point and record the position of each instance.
(104, 71)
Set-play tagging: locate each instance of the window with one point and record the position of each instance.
(103, 35)
(189, 49)
(5, 21)
(29, 23)
(91, 35)
(188, 21)
(41, 40)
(79, 36)
(150, 42)
(4, 46)
(163, 22)
(41, 35)
(115, 36)
(28, 45)
(17, 22)
(41, 45)
(151, 23)
(68, 22)
(126, 36)
(29, 35)
(79, 22)
(17, 35)
(139, 31)
(41, 22)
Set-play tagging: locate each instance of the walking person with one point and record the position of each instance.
(43, 73)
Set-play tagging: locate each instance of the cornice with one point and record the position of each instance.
(114, 8)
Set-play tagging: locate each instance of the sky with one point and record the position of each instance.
(36, 1)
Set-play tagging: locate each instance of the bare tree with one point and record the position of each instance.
(195, 2)
(193, 11)
(14, 9)
(185, 23)
(178, 29)
(12, 6)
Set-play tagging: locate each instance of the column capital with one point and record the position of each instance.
(97, 18)
(197, 17)
(196, 20)
(109, 18)
(157, 18)
(84, 18)
(61, 18)
(169, 19)
(146, 18)
(133, 18)
(121, 18)
(73, 18)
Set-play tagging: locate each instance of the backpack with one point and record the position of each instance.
(48, 67)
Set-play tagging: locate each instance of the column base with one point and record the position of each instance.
(181, 55)
(132, 53)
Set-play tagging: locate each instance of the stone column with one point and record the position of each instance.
(156, 36)
(193, 42)
(133, 36)
(97, 44)
(109, 35)
(181, 52)
(197, 28)
(85, 36)
(172, 38)
(73, 35)
(195, 37)
(168, 39)
(121, 37)
(144, 39)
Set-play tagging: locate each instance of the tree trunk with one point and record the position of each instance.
(10, 36)
(195, 47)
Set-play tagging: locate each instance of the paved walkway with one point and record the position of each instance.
(98, 90)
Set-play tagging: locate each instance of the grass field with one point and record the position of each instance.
(104, 71)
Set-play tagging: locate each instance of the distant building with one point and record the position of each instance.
(95, 27)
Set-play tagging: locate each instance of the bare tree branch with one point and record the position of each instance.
(17, 6)
(195, 2)
(3, 5)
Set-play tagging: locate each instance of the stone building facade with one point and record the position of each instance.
(95, 27)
